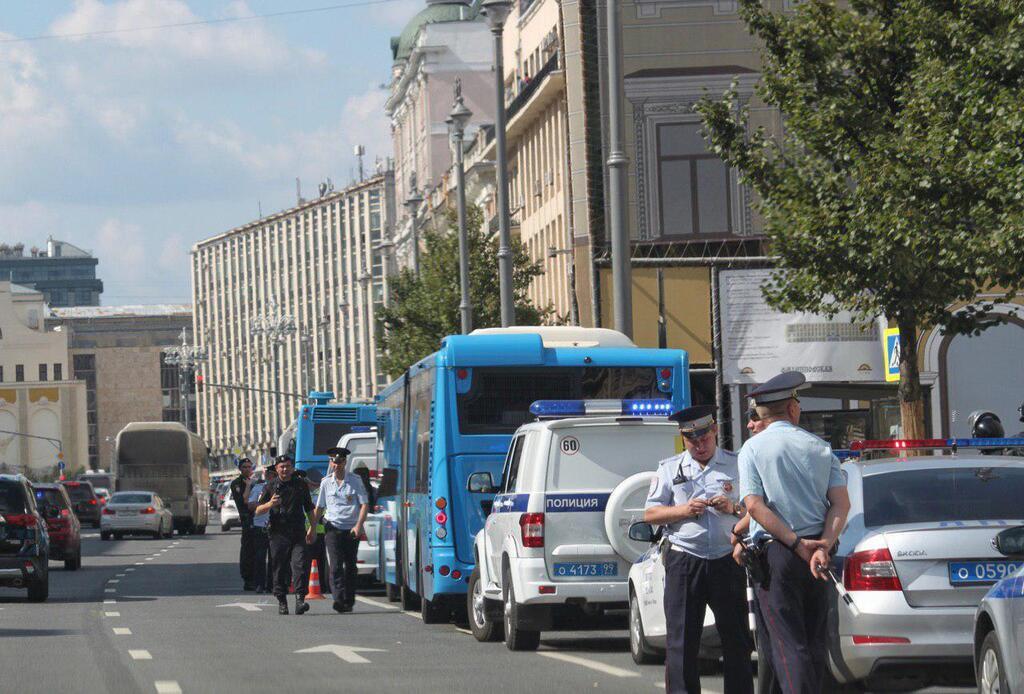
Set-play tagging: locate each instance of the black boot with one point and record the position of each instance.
(282, 606)
(301, 606)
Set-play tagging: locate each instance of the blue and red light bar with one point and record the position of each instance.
(952, 444)
(581, 408)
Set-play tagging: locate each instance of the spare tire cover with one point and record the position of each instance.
(625, 507)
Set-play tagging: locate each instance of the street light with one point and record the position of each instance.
(186, 357)
(497, 12)
(622, 280)
(412, 203)
(277, 327)
(457, 120)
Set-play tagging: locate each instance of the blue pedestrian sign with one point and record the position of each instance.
(891, 345)
(60, 465)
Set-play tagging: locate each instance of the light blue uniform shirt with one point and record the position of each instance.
(261, 520)
(792, 469)
(706, 537)
(342, 500)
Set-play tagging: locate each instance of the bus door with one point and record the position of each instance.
(416, 468)
(469, 510)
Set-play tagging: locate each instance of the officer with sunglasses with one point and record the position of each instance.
(696, 496)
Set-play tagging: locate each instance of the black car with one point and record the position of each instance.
(87, 505)
(24, 543)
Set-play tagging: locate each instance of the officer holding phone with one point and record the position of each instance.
(696, 496)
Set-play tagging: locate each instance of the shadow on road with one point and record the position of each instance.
(595, 644)
(22, 633)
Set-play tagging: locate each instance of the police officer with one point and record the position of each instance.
(241, 486)
(288, 501)
(260, 570)
(796, 495)
(343, 503)
(696, 495)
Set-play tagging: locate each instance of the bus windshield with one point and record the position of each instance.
(153, 448)
(327, 434)
(499, 399)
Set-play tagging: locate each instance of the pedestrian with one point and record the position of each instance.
(796, 495)
(696, 496)
(260, 568)
(241, 486)
(343, 503)
(288, 501)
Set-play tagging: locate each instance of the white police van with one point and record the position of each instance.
(557, 535)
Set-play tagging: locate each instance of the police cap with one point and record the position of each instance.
(242, 461)
(695, 421)
(338, 450)
(782, 387)
(284, 457)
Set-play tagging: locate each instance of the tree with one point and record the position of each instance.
(425, 309)
(897, 187)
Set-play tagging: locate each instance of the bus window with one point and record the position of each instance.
(421, 398)
(326, 435)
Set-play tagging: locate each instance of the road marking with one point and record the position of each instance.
(111, 614)
(122, 631)
(167, 687)
(130, 569)
(247, 606)
(350, 654)
(464, 631)
(417, 615)
(588, 663)
(148, 559)
(140, 655)
(120, 575)
(110, 590)
(113, 580)
(110, 602)
(138, 563)
(371, 601)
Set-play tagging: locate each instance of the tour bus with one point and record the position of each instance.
(320, 424)
(171, 461)
(453, 414)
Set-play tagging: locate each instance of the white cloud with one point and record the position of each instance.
(120, 245)
(173, 254)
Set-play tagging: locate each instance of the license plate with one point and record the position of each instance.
(605, 568)
(978, 572)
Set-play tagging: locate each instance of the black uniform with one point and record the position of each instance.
(288, 534)
(247, 551)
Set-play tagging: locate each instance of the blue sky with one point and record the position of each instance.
(135, 145)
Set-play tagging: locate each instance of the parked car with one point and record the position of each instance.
(229, 514)
(103, 494)
(223, 493)
(136, 513)
(86, 504)
(62, 525)
(24, 542)
(999, 625)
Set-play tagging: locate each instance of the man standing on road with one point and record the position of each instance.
(260, 569)
(241, 486)
(342, 503)
(796, 495)
(289, 504)
(695, 494)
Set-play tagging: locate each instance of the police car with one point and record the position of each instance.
(999, 625)
(556, 538)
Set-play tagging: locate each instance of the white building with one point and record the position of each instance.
(318, 270)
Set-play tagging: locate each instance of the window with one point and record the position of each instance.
(515, 454)
(930, 496)
(693, 184)
(420, 401)
(58, 372)
(42, 372)
(19, 372)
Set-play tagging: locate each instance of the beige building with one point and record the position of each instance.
(42, 409)
(285, 305)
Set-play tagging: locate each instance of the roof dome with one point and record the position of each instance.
(401, 46)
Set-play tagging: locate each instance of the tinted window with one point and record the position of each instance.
(512, 464)
(326, 435)
(49, 496)
(80, 492)
(12, 498)
(955, 494)
(499, 399)
(152, 448)
(421, 397)
(129, 498)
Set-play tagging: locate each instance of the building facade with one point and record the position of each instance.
(42, 406)
(118, 352)
(65, 274)
(286, 304)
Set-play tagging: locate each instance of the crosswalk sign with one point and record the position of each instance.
(891, 345)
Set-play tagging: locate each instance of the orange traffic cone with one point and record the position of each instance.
(314, 584)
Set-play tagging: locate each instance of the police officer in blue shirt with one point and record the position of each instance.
(696, 496)
(796, 495)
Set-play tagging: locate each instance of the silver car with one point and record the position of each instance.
(999, 626)
(917, 558)
(135, 513)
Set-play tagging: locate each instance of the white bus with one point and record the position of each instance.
(166, 458)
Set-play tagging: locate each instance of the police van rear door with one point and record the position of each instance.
(586, 462)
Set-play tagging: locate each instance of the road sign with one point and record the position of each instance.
(891, 347)
(350, 654)
(61, 465)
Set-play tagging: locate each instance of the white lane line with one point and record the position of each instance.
(464, 631)
(122, 631)
(111, 614)
(148, 559)
(110, 590)
(138, 563)
(110, 602)
(162, 551)
(588, 663)
(113, 580)
(120, 575)
(417, 615)
(371, 601)
(167, 687)
(129, 570)
(140, 655)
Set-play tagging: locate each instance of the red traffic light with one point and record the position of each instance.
(199, 382)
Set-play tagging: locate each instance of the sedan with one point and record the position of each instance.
(999, 625)
(229, 514)
(136, 513)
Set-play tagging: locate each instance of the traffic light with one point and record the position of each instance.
(199, 383)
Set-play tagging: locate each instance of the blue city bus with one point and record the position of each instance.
(318, 426)
(454, 413)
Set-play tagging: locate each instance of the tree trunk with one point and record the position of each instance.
(911, 404)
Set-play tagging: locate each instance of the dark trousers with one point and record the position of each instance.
(260, 572)
(766, 682)
(246, 552)
(318, 552)
(288, 554)
(342, 548)
(793, 623)
(691, 586)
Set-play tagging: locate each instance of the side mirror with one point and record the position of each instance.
(642, 532)
(1010, 542)
(481, 483)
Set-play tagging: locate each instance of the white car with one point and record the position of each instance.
(363, 447)
(999, 625)
(135, 513)
(557, 534)
(229, 514)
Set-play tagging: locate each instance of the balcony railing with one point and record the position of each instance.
(528, 90)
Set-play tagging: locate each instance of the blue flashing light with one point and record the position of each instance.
(361, 429)
(654, 408)
(558, 408)
(579, 408)
(845, 454)
(987, 443)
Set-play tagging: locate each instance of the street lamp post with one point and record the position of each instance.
(412, 203)
(457, 120)
(277, 328)
(497, 12)
(622, 281)
(186, 357)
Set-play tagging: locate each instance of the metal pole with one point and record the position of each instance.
(622, 281)
(716, 349)
(277, 392)
(508, 309)
(183, 396)
(465, 305)
(415, 244)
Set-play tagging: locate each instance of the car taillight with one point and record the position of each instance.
(92, 502)
(871, 570)
(21, 520)
(531, 526)
(109, 512)
(148, 509)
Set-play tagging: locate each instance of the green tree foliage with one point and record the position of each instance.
(425, 309)
(897, 188)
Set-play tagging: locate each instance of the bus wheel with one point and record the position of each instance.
(434, 611)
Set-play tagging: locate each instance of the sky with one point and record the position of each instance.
(136, 144)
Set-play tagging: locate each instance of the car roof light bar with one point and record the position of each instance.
(580, 408)
(951, 444)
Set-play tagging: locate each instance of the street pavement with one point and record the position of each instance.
(168, 616)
